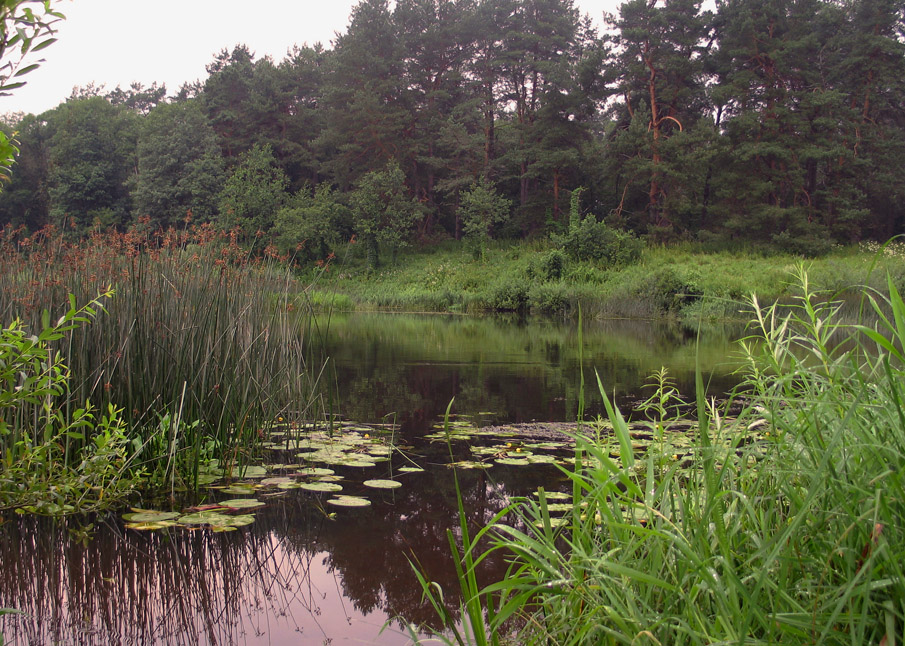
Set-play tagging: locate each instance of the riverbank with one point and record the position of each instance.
(684, 282)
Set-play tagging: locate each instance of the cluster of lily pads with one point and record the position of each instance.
(296, 450)
(532, 444)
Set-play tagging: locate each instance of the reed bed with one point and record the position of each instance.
(203, 345)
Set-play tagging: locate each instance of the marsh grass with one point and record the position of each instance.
(795, 539)
(203, 346)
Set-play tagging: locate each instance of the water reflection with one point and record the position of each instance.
(293, 577)
(519, 370)
(297, 576)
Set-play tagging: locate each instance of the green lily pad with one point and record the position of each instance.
(151, 526)
(150, 516)
(250, 471)
(242, 503)
(239, 489)
(314, 472)
(410, 470)
(204, 518)
(382, 484)
(321, 486)
(275, 481)
(349, 501)
(469, 464)
(290, 485)
(514, 462)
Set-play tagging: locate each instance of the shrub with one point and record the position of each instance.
(509, 296)
(593, 240)
(551, 298)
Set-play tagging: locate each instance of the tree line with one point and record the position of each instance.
(768, 121)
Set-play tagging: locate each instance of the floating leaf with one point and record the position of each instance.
(321, 486)
(150, 516)
(250, 471)
(410, 470)
(515, 462)
(151, 526)
(242, 503)
(275, 481)
(349, 501)
(314, 472)
(382, 484)
(239, 489)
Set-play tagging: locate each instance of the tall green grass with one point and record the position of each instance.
(794, 537)
(203, 344)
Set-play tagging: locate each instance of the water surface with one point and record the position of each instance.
(298, 575)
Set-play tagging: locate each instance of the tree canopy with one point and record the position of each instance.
(769, 122)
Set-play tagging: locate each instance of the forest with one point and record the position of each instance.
(766, 122)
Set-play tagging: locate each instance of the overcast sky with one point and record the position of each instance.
(116, 42)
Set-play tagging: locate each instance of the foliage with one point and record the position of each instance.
(91, 152)
(26, 27)
(180, 170)
(383, 212)
(252, 194)
(203, 347)
(481, 208)
(55, 459)
(312, 221)
(593, 240)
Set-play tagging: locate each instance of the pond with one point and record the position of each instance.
(306, 572)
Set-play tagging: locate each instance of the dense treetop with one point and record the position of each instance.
(773, 121)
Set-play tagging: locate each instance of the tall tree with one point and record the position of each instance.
(367, 119)
(91, 156)
(253, 194)
(658, 56)
(180, 169)
(385, 214)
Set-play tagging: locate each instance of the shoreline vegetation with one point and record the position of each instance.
(683, 283)
(181, 350)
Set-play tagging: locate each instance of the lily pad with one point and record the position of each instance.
(242, 503)
(150, 516)
(275, 481)
(514, 462)
(410, 470)
(250, 471)
(151, 526)
(349, 501)
(315, 472)
(321, 486)
(239, 489)
(382, 484)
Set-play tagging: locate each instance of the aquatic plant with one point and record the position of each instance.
(795, 537)
(204, 347)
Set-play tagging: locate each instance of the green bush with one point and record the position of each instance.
(551, 298)
(56, 460)
(509, 296)
(667, 291)
(593, 240)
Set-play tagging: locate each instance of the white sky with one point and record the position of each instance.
(116, 42)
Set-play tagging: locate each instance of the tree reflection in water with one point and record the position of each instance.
(294, 576)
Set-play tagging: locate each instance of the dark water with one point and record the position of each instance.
(298, 576)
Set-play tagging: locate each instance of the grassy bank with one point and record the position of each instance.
(682, 282)
(794, 538)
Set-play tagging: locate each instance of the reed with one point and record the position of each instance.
(203, 346)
